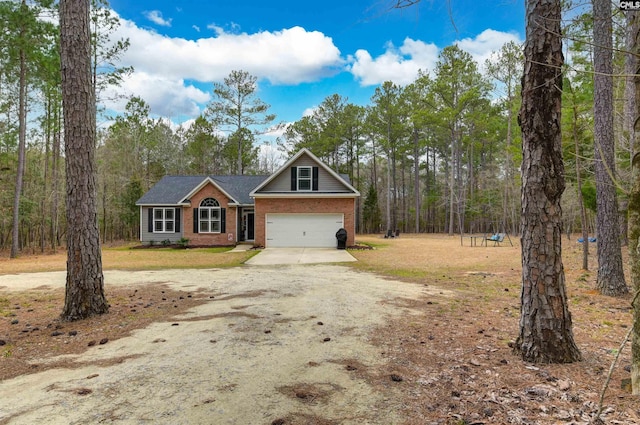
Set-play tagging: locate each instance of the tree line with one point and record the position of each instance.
(441, 154)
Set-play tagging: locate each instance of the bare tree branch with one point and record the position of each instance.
(402, 4)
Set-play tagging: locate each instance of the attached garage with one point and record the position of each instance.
(302, 230)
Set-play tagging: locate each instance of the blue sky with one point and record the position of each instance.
(300, 51)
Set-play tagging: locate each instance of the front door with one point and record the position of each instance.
(248, 222)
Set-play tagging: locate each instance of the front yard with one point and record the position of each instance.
(442, 357)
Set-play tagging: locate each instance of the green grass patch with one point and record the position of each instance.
(370, 244)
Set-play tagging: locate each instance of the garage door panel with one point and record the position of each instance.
(302, 230)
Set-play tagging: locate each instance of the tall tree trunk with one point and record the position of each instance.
(388, 197)
(506, 204)
(84, 296)
(452, 184)
(55, 166)
(610, 280)
(633, 45)
(416, 179)
(546, 334)
(45, 193)
(359, 199)
(22, 136)
(583, 209)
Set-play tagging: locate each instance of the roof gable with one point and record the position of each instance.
(306, 157)
(206, 181)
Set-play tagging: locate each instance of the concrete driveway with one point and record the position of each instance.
(273, 256)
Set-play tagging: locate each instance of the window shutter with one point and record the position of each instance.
(150, 223)
(223, 220)
(314, 182)
(294, 179)
(176, 225)
(195, 220)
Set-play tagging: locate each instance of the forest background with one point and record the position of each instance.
(441, 154)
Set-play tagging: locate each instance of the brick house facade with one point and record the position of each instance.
(303, 203)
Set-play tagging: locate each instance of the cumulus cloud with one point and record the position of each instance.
(155, 16)
(401, 65)
(167, 97)
(164, 66)
(487, 42)
(289, 56)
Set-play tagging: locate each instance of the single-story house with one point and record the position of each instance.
(303, 204)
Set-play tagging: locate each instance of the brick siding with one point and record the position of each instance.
(219, 239)
(265, 206)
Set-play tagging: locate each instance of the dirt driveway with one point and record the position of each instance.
(274, 345)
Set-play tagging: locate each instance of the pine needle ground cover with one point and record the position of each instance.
(446, 361)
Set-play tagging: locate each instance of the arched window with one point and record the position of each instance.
(209, 216)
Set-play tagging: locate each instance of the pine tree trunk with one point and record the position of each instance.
(610, 280)
(546, 334)
(84, 295)
(633, 45)
(452, 185)
(416, 179)
(22, 135)
(56, 178)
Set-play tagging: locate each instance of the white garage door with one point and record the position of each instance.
(303, 230)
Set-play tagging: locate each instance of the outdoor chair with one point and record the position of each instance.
(496, 238)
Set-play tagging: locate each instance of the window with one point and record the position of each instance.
(163, 220)
(304, 178)
(209, 216)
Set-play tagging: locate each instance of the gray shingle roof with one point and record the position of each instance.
(171, 190)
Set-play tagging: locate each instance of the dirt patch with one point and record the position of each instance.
(31, 332)
(310, 393)
(221, 360)
(303, 419)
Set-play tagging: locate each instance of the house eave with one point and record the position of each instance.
(166, 204)
(294, 195)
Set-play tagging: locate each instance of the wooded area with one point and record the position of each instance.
(441, 154)
(437, 155)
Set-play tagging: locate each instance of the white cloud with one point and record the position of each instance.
(164, 66)
(289, 56)
(155, 16)
(218, 30)
(399, 65)
(485, 43)
(276, 131)
(309, 111)
(167, 97)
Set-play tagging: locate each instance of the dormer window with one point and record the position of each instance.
(304, 178)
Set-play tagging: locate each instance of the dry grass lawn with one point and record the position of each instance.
(128, 258)
(451, 359)
(457, 355)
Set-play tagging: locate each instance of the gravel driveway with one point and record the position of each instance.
(276, 344)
